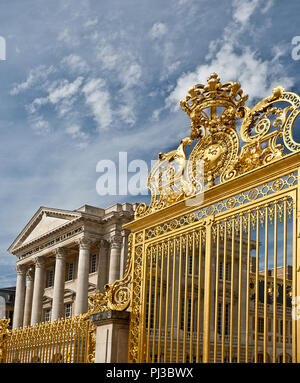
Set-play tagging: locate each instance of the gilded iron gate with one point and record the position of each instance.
(70, 340)
(215, 279)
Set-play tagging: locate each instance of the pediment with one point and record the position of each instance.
(44, 221)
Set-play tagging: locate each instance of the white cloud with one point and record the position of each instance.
(75, 63)
(107, 55)
(64, 90)
(257, 77)
(75, 132)
(67, 37)
(35, 76)
(40, 125)
(130, 75)
(91, 22)
(243, 10)
(98, 99)
(158, 30)
(236, 62)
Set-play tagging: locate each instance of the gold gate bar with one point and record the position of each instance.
(52, 331)
(240, 291)
(294, 284)
(167, 305)
(207, 293)
(284, 278)
(64, 343)
(192, 299)
(199, 296)
(266, 286)
(247, 288)
(155, 303)
(232, 287)
(256, 287)
(21, 346)
(149, 306)
(79, 339)
(224, 290)
(179, 299)
(275, 286)
(87, 341)
(217, 294)
(60, 340)
(161, 299)
(173, 300)
(185, 297)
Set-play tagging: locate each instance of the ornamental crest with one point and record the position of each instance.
(227, 138)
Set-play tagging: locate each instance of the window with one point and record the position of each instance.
(260, 325)
(190, 264)
(47, 315)
(221, 271)
(70, 272)
(220, 314)
(188, 314)
(93, 263)
(50, 278)
(68, 310)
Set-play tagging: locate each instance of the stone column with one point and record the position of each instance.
(38, 290)
(114, 261)
(59, 284)
(28, 297)
(102, 279)
(20, 296)
(111, 336)
(124, 252)
(81, 304)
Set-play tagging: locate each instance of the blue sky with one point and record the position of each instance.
(85, 80)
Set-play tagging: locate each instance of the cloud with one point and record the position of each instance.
(36, 76)
(234, 61)
(98, 99)
(243, 10)
(75, 63)
(40, 125)
(68, 37)
(91, 22)
(131, 75)
(158, 30)
(64, 89)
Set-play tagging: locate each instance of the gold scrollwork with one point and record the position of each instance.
(214, 110)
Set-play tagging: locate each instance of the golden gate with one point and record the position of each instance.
(217, 280)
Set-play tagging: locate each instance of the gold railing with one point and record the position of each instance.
(70, 340)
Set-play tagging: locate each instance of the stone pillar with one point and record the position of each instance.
(38, 290)
(81, 304)
(20, 296)
(114, 261)
(59, 284)
(111, 336)
(124, 252)
(28, 297)
(102, 279)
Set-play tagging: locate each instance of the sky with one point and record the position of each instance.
(85, 80)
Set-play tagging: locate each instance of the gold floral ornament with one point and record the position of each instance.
(214, 110)
(117, 296)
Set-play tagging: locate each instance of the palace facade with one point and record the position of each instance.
(64, 256)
